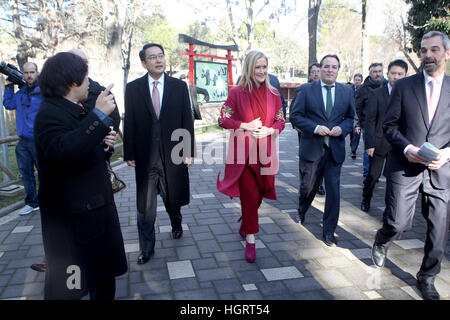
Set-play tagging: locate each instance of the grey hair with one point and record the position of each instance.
(443, 36)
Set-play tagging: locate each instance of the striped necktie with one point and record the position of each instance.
(155, 99)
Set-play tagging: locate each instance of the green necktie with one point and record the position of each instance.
(328, 109)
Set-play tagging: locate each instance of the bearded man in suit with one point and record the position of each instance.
(418, 112)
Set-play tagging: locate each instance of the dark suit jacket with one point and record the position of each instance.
(144, 135)
(276, 84)
(309, 111)
(193, 91)
(376, 110)
(406, 122)
(297, 91)
(94, 90)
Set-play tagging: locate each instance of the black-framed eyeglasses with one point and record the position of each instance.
(154, 57)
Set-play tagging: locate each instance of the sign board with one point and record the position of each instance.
(213, 77)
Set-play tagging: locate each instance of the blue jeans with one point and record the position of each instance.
(366, 160)
(26, 161)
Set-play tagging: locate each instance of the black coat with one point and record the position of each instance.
(80, 225)
(276, 84)
(144, 134)
(376, 110)
(362, 96)
(193, 91)
(89, 104)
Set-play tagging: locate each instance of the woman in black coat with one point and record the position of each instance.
(81, 231)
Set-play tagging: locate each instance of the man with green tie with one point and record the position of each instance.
(324, 111)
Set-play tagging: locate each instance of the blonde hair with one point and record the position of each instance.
(248, 70)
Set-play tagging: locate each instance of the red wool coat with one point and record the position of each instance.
(243, 148)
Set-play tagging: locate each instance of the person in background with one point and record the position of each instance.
(274, 82)
(26, 101)
(193, 91)
(376, 144)
(373, 81)
(94, 91)
(356, 132)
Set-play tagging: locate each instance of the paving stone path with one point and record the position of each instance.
(208, 261)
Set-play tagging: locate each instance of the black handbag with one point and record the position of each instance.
(117, 184)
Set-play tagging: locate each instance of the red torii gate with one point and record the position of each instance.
(182, 38)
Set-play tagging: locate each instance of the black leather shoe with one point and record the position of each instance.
(353, 156)
(427, 288)
(177, 233)
(321, 191)
(143, 258)
(329, 240)
(40, 267)
(301, 217)
(378, 255)
(365, 205)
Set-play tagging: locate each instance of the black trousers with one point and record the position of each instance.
(299, 169)
(354, 140)
(375, 169)
(311, 174)
(146, 219)
(399, 213)
(103, 290)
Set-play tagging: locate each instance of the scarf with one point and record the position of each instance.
(258, 101)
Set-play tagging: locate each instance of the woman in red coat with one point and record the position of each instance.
(254, 116)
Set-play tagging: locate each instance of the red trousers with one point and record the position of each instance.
(251, 189)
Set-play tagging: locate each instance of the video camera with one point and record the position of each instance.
(14, 74)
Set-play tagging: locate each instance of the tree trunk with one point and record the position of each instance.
(126, 58)
(404, 46)
(410, 60)
(364, 37)
(113, 44)
(250, 26)
(234, 35)
(313, 16)
(22, 47)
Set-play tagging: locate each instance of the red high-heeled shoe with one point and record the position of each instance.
(250, 252)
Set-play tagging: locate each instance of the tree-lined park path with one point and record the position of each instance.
(208, 261)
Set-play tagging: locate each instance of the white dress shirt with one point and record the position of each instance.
(324, 93)
(437, 83)
(389, 88)
(324, 96)
(160, 88)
